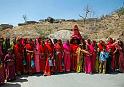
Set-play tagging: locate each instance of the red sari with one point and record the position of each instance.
(121, 59)
(2, 70)
(29, 58)
(9, 67)
(59, 56)
(74, 57)
(2, 74)
(42, 56)
(18, 58)
(49, 56)
(113, 62)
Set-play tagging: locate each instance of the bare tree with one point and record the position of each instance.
(25, 18)
(87, 11)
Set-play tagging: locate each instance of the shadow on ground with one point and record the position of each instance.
(10, 85)
(14, 83)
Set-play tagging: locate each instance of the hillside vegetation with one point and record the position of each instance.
(94, 28)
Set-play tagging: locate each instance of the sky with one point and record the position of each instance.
(11, 11)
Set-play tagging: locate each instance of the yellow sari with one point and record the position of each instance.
(79, 60)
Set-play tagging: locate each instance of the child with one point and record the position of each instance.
(103, 57)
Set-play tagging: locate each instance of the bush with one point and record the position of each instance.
(120, 11)
(50, 19)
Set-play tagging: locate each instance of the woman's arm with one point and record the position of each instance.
(84, 51)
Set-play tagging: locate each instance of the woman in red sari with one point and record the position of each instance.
(29, 57)
(2, 71)
(59, 56)
(74, 47)
(75, 40)
(49, 58)
(43, 55)
(9, 66)
(18, 57)
(112, 47)
(120, 47)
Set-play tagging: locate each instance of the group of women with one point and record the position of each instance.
(29, 56)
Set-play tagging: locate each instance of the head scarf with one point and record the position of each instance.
(76, 33)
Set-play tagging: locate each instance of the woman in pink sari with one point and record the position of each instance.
(67, 56)
(37, 56)
(88, 58)
(94, 52)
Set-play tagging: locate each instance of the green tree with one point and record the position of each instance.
(120, 11)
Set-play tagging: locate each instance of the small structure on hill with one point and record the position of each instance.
(5, 26)
(28, 22)
(31, 22)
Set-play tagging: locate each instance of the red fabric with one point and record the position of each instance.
(2, 75)
(121, 58)
(112, 47)
(9, 67)
(50, 49)
(59, 50)
(47, 71)
(43, 51)
(28, 58)
(76, 33)
(18, 58)
(74, 57)
(100, 47)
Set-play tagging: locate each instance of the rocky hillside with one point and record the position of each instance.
(102, 28)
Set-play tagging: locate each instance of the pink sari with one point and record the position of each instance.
(94, 55)
(37, 57)
(88, 60)
(67, 57)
